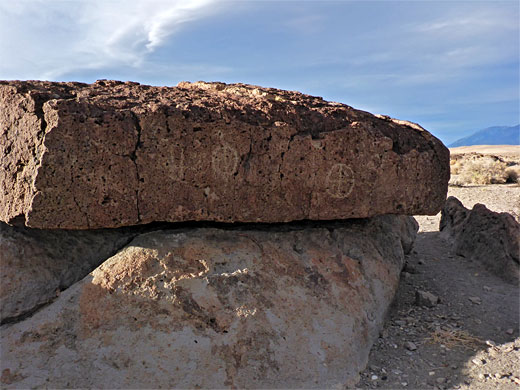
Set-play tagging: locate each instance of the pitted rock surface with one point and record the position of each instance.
(209, 308)
(113, 154)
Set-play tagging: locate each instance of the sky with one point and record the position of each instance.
(451, 66)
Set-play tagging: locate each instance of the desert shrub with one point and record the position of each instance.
(513, 173)
(455, 166)
(482, 170)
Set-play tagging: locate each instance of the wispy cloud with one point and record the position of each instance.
(473, 22)
(47, 39)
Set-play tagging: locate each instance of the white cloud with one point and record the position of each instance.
(47, 39)
(306, 23)
(470, 23)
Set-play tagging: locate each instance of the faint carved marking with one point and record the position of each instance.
(176, 166)
(340, 181)
(224, 161)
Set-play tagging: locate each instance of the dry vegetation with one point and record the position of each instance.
(481, 169)
(455, 338)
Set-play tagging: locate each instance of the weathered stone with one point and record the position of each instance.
(113, 154)
(37, 264)
(453, 218)
(425, 298)
(287, 307)
(485, 236)
(410, 346)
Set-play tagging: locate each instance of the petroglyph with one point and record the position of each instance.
(340, 181)
(176, 165)
(224, 161)
(261, 161)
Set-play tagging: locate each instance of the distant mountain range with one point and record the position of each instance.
(496, 135)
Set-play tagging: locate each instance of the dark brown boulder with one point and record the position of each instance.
(483, 235)
(111, 154)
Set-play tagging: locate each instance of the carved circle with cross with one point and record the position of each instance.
(340, 181)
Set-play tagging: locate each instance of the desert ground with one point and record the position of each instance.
(470, 339)
(502, 150)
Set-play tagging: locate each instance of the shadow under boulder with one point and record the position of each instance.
(37, 264)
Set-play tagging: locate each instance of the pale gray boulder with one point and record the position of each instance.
(278, 307)
(37, 264)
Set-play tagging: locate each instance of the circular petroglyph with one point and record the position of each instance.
(340, 181)
(224, 161)
(176, 165)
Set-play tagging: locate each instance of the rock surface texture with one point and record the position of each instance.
(37, 264)
(284, 308)
(111, 154)
(485, 236)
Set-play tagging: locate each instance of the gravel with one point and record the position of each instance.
(475, 319)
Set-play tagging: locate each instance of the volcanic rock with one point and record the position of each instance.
(285, 307)
(425, 298)
(483, 235)
(111, 154)
(37, 264)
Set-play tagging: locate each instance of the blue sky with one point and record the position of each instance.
(452, 66)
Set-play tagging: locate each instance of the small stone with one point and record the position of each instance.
(510, 331)
(374, 377)
(431, 373)
(425, 298)
(404, 384)
(410, 269)
(493, 352)
(476, 362)
(410, 346)
(481, 376)
(440, 380)
(475, 300)
(486, 288)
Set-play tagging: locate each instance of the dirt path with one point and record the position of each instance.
(470, 338)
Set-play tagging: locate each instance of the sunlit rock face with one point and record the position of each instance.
(281, 307)
(111, 154)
